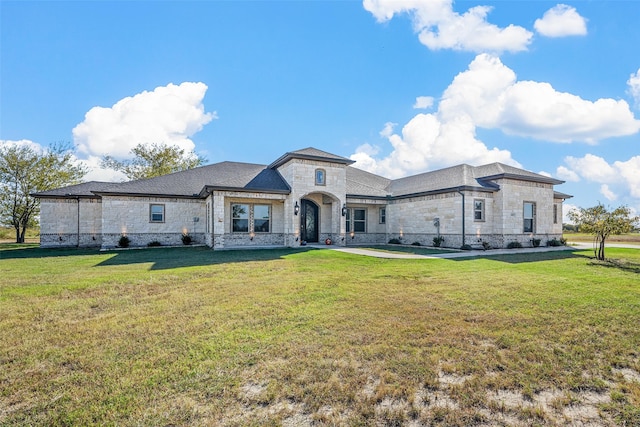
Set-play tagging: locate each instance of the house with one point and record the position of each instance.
(306, 196)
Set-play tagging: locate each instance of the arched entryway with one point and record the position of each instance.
(309, 221)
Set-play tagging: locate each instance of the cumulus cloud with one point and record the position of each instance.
(423, 102)
(560, 21)
(169, 114)
(567, 174)
(488, 95)
(439, 27)
(621, 175)
(22, 143)
(634, 87)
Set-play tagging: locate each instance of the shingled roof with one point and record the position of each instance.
(235, 176)
(310, 154)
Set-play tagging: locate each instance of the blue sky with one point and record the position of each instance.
(401, 87)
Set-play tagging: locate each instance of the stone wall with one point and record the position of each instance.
(130, 216)
(71, 222)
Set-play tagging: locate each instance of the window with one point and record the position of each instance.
(359, 220)
(478, 210)
(555, 213)
(320, 177)
(254, 218)
(261, 218)
(156, 213)
(383, 215)
(356, 220)
(240, 218)
(529, 217)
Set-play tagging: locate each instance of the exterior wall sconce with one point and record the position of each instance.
(344, 209)
(296, 208)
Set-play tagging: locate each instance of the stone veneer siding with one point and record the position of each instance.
(129, 215)
(60, 225)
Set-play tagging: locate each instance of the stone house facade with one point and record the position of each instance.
(306, 196)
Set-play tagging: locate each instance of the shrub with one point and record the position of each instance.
(186, 239)
(416, 244)
(466, 247)
(395, 241)
(557, 242)
(124, 241)
(514, 245)
(154, 243)
(486, 245)
(437, 241)
(535, 242)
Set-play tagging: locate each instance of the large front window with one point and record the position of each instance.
(529, 217)
(250, 218)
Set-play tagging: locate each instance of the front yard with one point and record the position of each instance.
(190, 336)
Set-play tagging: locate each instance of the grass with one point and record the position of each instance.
(189, 336)
(631, 238)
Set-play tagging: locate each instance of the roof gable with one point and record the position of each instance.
(310, 153)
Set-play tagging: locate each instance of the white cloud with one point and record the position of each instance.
(567, 174)
(634, 87)
(488, 95)
(566, 208)
(22, 143)
(439, 27)
(169, 114)
(606, 192)
(624, 176)
(423, 102)
(560, 21)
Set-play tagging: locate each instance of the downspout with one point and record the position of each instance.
(78, 227)
(463, 236)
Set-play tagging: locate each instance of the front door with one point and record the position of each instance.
(309, 221)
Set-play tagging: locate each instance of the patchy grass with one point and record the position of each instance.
(189, 336)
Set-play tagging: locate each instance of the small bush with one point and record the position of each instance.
(416, 244)
(466, 247)
(514, 245)
(395, 241)
(486, 245)
(437, 241)
(124, 241)
(535, 242)
(186, 239)
(154, 243)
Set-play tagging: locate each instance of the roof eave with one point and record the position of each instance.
(546, 180)
(290, 156)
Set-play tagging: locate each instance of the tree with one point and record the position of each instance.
(154, 160)
(25, 170)
(602, 223)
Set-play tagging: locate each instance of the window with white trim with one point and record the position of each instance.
(382, 215)
(261, 218)
(529, 217)
(156, 213)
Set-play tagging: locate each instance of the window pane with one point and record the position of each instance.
(261, 218)
(358, 214)
(528, 210)
(240, 221)
(240, 225)
(528, 226)
(319, 176)
(157, 213)
(358, 226)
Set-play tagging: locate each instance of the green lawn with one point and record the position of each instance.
(191, 336)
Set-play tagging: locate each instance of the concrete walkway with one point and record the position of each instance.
(467, 254)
